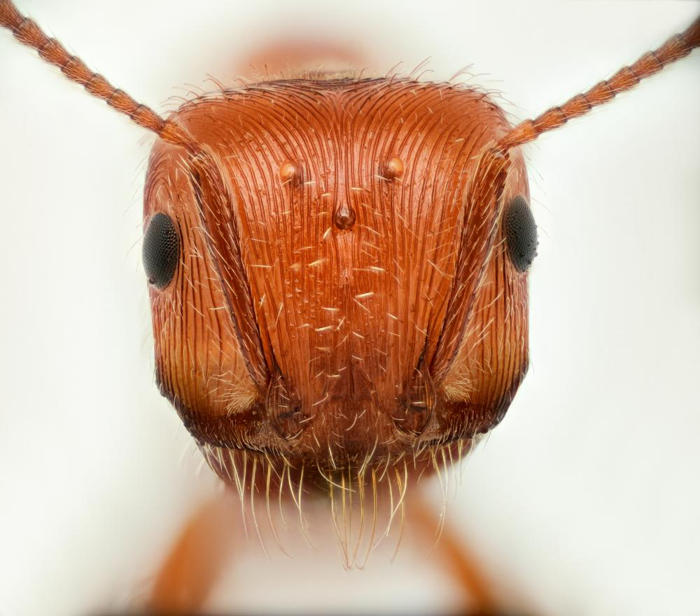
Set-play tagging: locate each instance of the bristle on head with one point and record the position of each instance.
(367, 502)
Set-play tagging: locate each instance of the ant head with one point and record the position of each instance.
(338, 269)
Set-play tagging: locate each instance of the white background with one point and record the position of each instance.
(584, 501)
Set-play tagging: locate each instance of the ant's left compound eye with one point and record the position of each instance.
(161, 250)
(520, 231)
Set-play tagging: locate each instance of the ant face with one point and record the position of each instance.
(342, 281)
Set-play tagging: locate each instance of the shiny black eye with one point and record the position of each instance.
(161, 250)
(521, 233)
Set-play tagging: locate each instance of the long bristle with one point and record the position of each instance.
(360, 495)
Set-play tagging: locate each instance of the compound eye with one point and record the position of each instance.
(521, 233)
(161, 250)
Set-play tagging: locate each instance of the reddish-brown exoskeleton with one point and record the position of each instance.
(343, 296)
(335, 284)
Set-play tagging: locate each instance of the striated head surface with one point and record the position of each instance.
(343, 294)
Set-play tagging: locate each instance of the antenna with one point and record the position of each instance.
(650, 63)
(29, 33)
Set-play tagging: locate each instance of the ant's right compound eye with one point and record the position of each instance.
(521, 233)
(161, 250)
